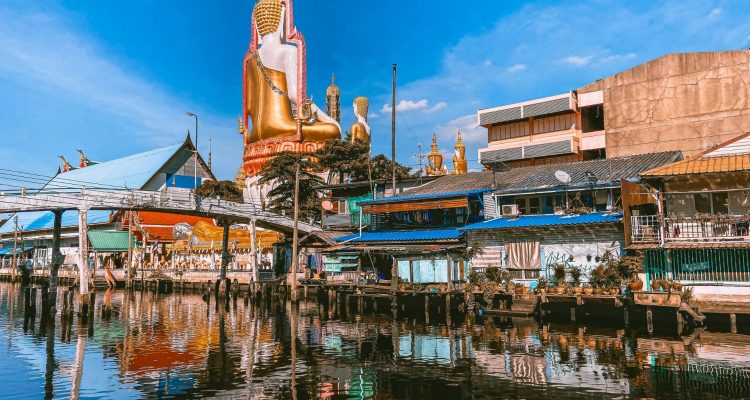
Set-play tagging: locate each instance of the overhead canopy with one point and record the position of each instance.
(110, 241)
(403, 236)
(526, 221)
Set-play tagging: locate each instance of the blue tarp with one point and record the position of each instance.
(526, 221)
(403, 236)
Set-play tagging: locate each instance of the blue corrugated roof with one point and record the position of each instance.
(39, 220)
(526, 221)
(133, 171)
(403, 236)
(423, 196)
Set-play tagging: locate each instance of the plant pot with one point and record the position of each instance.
(577, 290)
(542, 290)
(677, 287)
(587, 291)
(559, 290)
(614, 291)
(597, 290)
(636, 285)
(656, 285)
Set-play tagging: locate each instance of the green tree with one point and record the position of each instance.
(227, 190)
(279, 172)
(344, 157)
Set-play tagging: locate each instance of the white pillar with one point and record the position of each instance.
(83, 252)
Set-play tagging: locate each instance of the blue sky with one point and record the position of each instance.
(116, 77)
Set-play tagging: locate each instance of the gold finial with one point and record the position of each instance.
(66, 165)
(84, 161)
(362, 106)
(267, 16)
(332, 90)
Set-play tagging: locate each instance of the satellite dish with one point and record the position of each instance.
(562, 176)
(327, 205)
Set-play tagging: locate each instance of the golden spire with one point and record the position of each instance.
(459, 156)
(66, 165)
(435, 166)
(332, 90)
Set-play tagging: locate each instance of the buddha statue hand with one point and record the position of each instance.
(305, 114)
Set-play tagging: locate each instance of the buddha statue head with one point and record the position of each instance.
(268, 15)
(361, 106)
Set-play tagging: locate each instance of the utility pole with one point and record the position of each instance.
(295, 233)
(195, 161)
(129, 282)
(393, 131)
(15, 247)
(420, 159)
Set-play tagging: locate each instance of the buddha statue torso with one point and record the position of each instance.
(360, 129)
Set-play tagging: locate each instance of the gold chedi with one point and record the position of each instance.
(435, 167)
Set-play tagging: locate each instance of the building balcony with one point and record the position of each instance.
(716, 228)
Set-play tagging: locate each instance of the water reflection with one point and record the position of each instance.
(141, 344)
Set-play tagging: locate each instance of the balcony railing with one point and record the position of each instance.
(699, 229)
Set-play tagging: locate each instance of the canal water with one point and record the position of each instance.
(146, 345)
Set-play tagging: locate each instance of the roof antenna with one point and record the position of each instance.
(420, 159)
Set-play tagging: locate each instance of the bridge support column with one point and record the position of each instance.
(254, 257)
(83, 252)
(224, 259)
(57, 260)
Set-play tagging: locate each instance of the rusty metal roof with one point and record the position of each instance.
(703, 165)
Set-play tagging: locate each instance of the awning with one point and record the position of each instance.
(110, 241)
(526, 221)
(393, 249)
(403, 236)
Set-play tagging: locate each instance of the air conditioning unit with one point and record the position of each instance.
(510, 210)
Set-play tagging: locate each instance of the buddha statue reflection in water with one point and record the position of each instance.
(274, 81)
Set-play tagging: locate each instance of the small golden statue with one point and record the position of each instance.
(360, 130)
(459, 157)
(435, 167)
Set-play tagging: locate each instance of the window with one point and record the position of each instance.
(509, 131)
(534, 205)
(343, 207)
(702, 202)
(720, 203)
(554, 124)
(521, 203)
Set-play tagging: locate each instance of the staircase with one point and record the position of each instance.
(100, 280)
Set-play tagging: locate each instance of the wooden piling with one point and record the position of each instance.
(649, 320)
(733, 323)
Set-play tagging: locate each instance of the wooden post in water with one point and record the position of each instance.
(57, 260)
(427, 308)
(224, 259)
(733, 323)
(649, 320)
(83, 255)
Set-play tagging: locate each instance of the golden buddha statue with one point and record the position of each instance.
(274, 90)
(435, 167)
(360, 130)
(459, 157)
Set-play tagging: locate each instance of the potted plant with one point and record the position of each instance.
(541, 284)
(559, 271)
(598, 278)
(575, 274)
(587, 289)
(629, 267)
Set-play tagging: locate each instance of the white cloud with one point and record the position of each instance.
(614, 58)
(411, 105)
(715, 12)
(516, 68)
(373, 116)
(577, 61)
(437, 107)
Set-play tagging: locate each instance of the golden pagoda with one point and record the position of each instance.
(459, 157)
(333, 100)
(435, 167)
